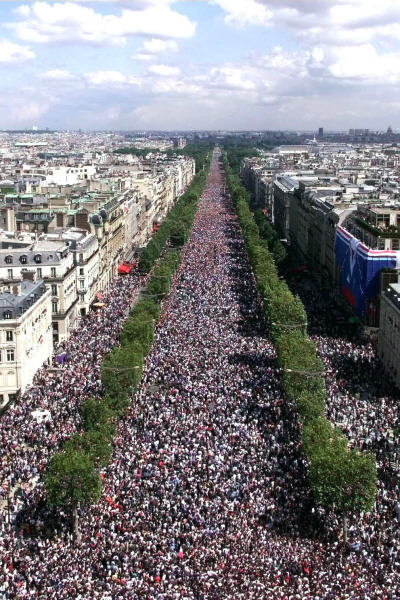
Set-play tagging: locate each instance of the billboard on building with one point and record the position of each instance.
(360, 269)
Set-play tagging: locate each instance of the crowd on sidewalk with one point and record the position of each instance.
(206, 496)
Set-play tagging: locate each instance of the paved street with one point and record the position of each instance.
(206, 496)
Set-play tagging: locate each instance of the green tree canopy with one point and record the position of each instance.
(121, 369)
(72, 479)
(343, 479)
(98, 416)
(95, 443)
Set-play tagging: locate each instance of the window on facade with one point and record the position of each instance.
(39, 273)
(8, 259)
(1, 357)
(23, 259)
(10, 355)
(54, 290)
(9, 273)
(395, 244)
(38, 258)
(82, 284)
(81, 271)
(53, 272)
(9, 336)
(7, 314)
(54, 306)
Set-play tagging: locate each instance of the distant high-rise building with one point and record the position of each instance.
(358, 131)
(321, 132)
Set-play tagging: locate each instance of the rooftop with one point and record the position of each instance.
(13, 305)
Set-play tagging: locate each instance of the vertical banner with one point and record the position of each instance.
(360, 269)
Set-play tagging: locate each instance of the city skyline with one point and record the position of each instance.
(223, 64)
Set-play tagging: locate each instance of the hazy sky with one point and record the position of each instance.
(220, 64)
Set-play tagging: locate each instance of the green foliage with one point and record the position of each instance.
(344, 478)
(199, 153)
(96, 415)
(72, 478)
(172, 259)
(268, 233)
(139, 328)
(95, 443)
(237, 154)
(302, 369)
(121, 369)
(177, 235)
(117, 403)
(158, 286)
(285, 311)
(136, 151)
(340, 477)
(317, 435)
(176, 226)
(310, 403)
(148, 306)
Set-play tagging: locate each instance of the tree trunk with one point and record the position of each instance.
(75, 523)
(344, 529)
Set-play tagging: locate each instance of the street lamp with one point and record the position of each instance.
(308, 374)
(287, 326)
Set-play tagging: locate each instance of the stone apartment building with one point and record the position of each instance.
(25, 335)
(46, 260)
(73, 243)
(389, 331)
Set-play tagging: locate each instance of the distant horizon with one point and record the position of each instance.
(191, 131)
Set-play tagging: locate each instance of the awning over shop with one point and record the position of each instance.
(125, 268)
(61, 358)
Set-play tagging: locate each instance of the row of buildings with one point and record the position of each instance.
(66, 230)
(338, 208)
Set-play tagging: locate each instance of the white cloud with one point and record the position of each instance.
(231, 78)
(156, 46)
(105, 78)
(23, 106)
(67, 22)
(337, 22)
(57, 75)
(13, 53)
(141, 56)
(153, 47)
(164, 70)
(246, 12)
(356, 63)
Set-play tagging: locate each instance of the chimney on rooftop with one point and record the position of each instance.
(16, 289)
(28, 275)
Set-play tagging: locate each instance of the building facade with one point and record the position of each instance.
(25, 335)
(389, 331)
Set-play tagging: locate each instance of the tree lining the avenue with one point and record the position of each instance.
(73, 474)
(342, 478)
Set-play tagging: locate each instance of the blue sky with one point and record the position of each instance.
(199, 64)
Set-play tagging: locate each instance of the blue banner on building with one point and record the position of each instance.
(360, 269)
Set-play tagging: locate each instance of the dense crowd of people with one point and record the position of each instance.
(206, 496)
